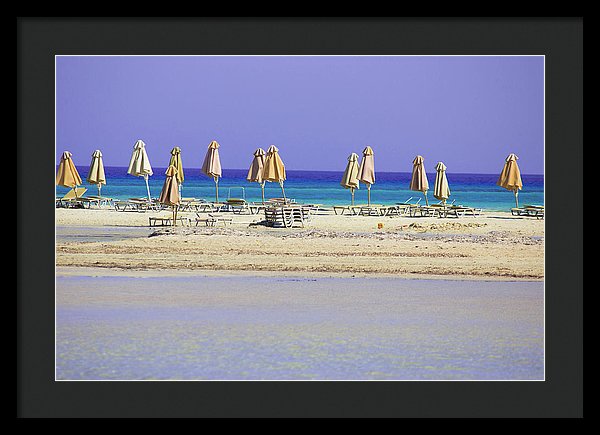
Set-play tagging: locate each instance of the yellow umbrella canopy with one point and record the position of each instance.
(96, 174)
(176, 161)
(366, 172)
(441, 190)
(419, 182)
(139, 165)
(255, 172)
(67, 175)
(211, 166)
(510, 177)
(170, 191)
(274, 169)
(350, 177)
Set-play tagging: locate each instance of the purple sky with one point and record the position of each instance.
(469, 112)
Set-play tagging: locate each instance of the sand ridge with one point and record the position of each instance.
(491, 246)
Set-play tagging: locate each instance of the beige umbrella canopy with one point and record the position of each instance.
(366, 172)
(350, 177)
(139, 165)
(170, 191)
(510, 177)
(441, 190)
(67, 175)
(96, 175)
(274, 169)
(419, 181)
(176, 161)
(212, 165)
(255, 172)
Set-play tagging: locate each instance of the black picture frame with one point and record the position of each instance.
(559, 39)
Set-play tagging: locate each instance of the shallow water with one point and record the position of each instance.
(72, 233)
(253, 328)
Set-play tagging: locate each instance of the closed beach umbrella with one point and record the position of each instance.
(139, 165)
(255, 172)
(510, 177)
(366, 172)
(176, 161)
(212, 165)
(274, 169)
(170, 191)
(67, 175)
(419, 182)
(350, 177)
(96, 175)
(441, 190)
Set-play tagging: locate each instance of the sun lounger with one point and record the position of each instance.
(137, 204)
(405, 208)
(367, 210)
(167, 220)
(98, 201)
(72, 199)
(250, 207)
(459, 210)
(426, 211)
(341, 209)
(301, 214)
(314, 208)
(280, 201)
(212, 219)
(238, 205)
(529, 210)
(288, 215)
(275, 217)
(191, 204)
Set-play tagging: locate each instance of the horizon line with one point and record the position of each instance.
(327, 170)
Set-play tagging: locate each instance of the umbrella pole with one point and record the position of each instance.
(352, 193)
(369, 194)
(426, 201)
(517, 197)
(262, 188)
(99, 189)
(147, 186)
(282, 191)
(216, 189)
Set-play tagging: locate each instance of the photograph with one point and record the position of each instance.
(300, 217)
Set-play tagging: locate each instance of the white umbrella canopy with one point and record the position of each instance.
(255, 172)
(139, 165)
(96, 174)
(350, 178)
(211, 166)
(441, 190)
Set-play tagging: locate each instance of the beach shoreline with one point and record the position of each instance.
(99, 271)
(494, 246)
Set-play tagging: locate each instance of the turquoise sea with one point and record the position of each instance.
(322, 187)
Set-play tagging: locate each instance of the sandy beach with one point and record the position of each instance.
(493, 246)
